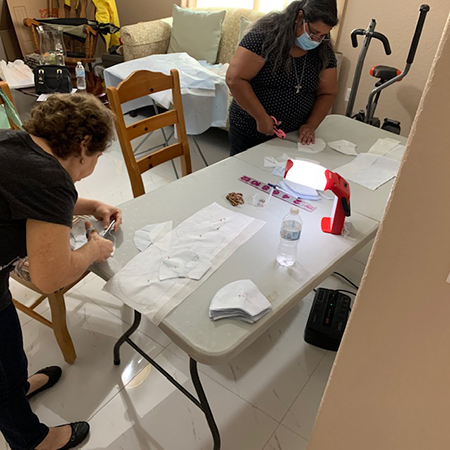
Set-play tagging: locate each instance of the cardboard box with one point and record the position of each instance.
(9, 46)
(22, 9)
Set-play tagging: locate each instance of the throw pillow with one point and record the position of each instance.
(197, 33)
(145, 38)
(244, 25)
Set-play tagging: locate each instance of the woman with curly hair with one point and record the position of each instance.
(284, 67)
(61, 144)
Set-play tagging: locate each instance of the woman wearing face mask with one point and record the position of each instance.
(284, 67)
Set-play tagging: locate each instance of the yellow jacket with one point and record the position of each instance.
(106, 12)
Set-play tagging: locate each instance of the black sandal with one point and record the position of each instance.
(53, 373)
(80, 430)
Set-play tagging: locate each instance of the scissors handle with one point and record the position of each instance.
(279, 133)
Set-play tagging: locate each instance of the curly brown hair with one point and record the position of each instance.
(65, 120)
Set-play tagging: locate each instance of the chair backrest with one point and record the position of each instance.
(5, 88)
(76, 10)
(139, 84)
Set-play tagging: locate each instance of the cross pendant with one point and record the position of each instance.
(297, 88)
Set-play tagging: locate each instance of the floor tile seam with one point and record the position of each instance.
(302, 389)
(227, 389)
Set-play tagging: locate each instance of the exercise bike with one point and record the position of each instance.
(386, 75)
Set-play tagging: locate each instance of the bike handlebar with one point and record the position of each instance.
(357, 32)
(384, 40)
(415, 41)
(372, 34)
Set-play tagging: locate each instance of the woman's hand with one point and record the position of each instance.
(103, 248)
(106, 213)
(306, 134)
(265, 125)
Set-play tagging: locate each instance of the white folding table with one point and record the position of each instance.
(319, 254)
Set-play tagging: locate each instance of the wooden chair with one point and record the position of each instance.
(56, 299)
(89, 47)
(139, 84)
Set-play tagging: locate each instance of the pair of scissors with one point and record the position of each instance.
(102, 233)
(279, 133)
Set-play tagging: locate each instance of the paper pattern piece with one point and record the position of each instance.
(239, 300)
(383, 146)
(150, 234)
(343, 146)
(370, 171)
(317, 147)
(213, 233)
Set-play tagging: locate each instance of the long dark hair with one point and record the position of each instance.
(279, 30)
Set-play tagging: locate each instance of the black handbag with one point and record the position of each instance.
(50, 78)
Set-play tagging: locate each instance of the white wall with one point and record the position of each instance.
(134, 11)
(389, 389)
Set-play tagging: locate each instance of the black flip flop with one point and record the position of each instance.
(80, 430)
(53, 373)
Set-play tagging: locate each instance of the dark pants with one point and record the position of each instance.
(239, 141)
(18, 423)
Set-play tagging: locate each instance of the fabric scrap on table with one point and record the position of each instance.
(343, 146)
(317, 147)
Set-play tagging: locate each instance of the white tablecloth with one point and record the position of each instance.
(205, 94)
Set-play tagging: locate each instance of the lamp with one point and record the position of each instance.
(320, 178)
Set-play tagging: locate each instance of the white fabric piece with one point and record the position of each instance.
(383, 146)
(279, 165)
(205, 94)
(78, 234)
(150, 234)
(370, 171)
(214, 233)
(317, 147)
(183, 264)
(17, 74)
(241, 300)
(343, 146)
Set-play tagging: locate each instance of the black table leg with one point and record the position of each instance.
(201, 402)
(204, 403)
(125, 336)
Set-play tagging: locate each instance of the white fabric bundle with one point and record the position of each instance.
(240, 300)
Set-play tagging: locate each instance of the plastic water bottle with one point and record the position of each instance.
(291, 229)
(81, 76)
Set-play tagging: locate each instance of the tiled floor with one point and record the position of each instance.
(265, 399)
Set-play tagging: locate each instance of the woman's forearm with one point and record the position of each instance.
(320, 109)
(246, 98)
(84, 207)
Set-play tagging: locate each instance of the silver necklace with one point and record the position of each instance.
(298, 86)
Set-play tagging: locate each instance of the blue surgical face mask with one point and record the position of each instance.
(305, 42)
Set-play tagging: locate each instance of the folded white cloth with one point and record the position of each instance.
(183, 264)
(240, 300)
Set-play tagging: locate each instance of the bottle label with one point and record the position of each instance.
(290, 235)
